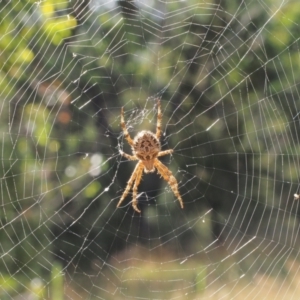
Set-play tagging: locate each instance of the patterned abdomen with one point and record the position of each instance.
(145, 145)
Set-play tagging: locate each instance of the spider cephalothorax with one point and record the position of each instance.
(146, 148)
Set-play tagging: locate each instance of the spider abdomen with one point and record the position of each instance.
(146, 147)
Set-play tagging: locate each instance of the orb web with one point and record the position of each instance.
(227, 76)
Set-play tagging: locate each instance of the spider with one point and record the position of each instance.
(146, 148)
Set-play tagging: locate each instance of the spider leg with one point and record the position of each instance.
(166, 152)
(129, 157)
(168, 176)
(159, 117)
(123, 125)
(130, 183)
(135, 186)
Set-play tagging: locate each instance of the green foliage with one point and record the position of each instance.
(57, 282)
(49, 131)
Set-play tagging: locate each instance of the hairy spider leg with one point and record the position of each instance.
(128, 156)
(138, 178)
(168, 176)
(130, 182)
(126, 134)
(159, 118)
(166, 152)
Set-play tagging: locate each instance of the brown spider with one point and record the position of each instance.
(146, 148)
